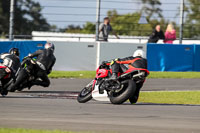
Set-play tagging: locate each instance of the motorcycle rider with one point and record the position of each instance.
(11, 61)
(45, 60)
(135, 61)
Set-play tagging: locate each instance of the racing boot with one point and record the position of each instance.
(113, 77)
(101, 90)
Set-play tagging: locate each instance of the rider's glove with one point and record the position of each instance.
(113, 61)
(29, 56)
(25, 57)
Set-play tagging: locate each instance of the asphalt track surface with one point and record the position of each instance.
(56, 108)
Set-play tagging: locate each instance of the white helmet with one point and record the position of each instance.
(49, 46)
(139, 53)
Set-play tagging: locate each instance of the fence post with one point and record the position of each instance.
(181, 21)
(12, 2)
(98, 54)
(98, 18)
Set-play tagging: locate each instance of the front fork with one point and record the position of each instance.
(93, 82)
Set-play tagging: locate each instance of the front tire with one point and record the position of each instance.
(120, 97)
(134, 98)
(4, 92)
(85, 95)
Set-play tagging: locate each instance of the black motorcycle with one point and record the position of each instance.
(27, 74)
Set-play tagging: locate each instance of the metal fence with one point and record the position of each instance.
(63, 13)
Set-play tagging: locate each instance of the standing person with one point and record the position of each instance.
(104, 30)
(170, 34)
(156, 35)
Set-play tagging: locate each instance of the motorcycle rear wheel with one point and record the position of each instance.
(85, 95)
(129, 88)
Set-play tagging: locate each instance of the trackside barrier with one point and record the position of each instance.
(110, 51)
(25, 47)
(75, 56)
(165, 57)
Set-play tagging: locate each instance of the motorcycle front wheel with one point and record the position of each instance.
(134, 98)
(4, 92)
(85, 95)
(128, 88)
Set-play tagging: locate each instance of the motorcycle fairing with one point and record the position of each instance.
(99, 97)
(102, 73)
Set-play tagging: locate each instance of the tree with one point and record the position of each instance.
(152, 7)
(192, 21)
(88, 28)
(27, 17)
(4, 17)
(73, 29)
(127, 24)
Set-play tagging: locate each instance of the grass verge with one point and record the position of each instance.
(72, 74)
(20, 130)
(174, 75)
(170, 97)
(91, 74)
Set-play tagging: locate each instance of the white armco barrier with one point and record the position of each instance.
(77, 56)
(109, 51)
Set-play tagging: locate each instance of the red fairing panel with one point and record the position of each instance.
(102, 73)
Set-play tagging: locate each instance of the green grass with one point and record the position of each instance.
(174, 75)
(72, 74)
(91, 74)
(170, 97)
(20, 130)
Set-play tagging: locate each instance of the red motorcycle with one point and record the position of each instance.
(126, 87)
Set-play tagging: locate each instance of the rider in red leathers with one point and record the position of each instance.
(135, 61)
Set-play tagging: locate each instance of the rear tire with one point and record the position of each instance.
(85, 95)
(128, 89)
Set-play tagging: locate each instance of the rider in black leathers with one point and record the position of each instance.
(45, 60)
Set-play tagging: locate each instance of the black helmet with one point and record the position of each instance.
(49, 46)
(14, 51)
